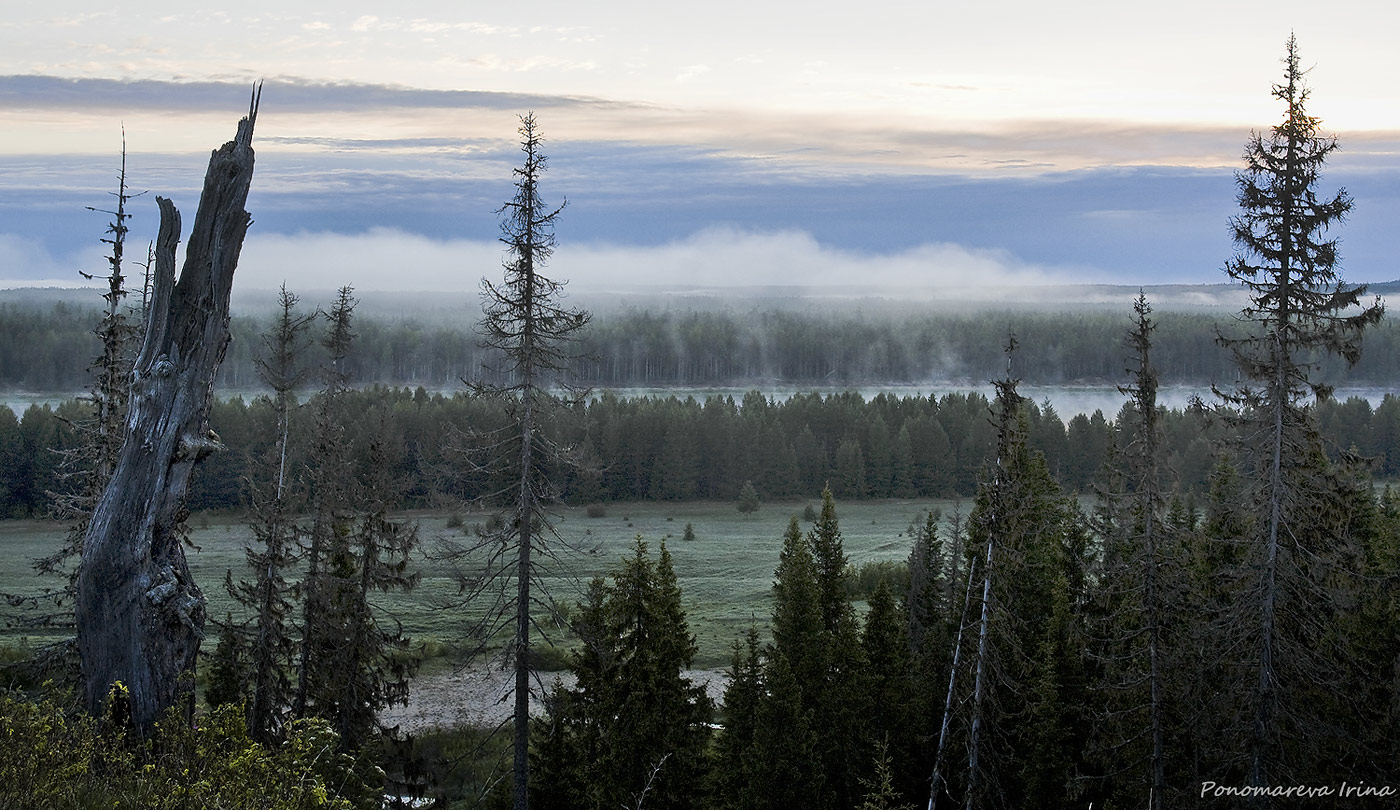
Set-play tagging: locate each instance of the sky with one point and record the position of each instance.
(722, 143)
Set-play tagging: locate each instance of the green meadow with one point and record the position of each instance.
(725, 573)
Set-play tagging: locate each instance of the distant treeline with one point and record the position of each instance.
(47, 347)
(678, 449)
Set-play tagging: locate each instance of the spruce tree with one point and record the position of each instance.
(228, 670)
(1299, 309)
(85, 467)
(1022, 724)
(797, 616)
(890, 723)
(1139, 582)
(927, 606)
(273, 503)
(633, 728)
(785, 767)
(526, 323)
(839, 697)
(328, 557)
(748, 499)
(880, 793)
(374, 661)
(741, 697)
(850, 468)
(831, 563)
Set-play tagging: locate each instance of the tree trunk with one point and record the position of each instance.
(140, 615)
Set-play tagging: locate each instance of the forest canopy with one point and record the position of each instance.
(42, 347)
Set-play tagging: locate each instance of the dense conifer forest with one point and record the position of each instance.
(684, 448)
(844, 343)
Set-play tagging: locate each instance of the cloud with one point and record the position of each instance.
(304, 113)
(26, 262)
(692, 72)
(291, 94)
(729, 257)
(388, 259)
(378, 259)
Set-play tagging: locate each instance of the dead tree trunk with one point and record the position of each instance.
(140, 615)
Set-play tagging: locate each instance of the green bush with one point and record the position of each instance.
(748, 499)
(596, 510)
(53, 758)
(548, 658)
(862, 582)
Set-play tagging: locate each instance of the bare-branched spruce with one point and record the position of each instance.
(534, 335)
(84, 469)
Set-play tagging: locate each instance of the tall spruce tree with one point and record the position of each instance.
(890, 721)
(1023, 728)
(797, 609)
(633, 731)
(328, 538)
(353, 661)
(84, 470)
(525, 321)
(1138, 584)
(839, 696)
(1299, 309)
(273, 504)
(770, 735)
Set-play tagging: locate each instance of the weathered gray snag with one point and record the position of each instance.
(140, 615)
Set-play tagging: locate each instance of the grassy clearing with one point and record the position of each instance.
(725, 574)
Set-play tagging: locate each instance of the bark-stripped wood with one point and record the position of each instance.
(140, 614)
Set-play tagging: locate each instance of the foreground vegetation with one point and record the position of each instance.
(59, 759)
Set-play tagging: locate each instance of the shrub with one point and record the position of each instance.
(595, 510)
(55, 759)
(689, 533)
(548, 658)
(748, 499)
(862, 582)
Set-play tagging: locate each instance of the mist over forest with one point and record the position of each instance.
(766, 338)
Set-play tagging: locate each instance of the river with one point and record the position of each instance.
(1068, 400)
